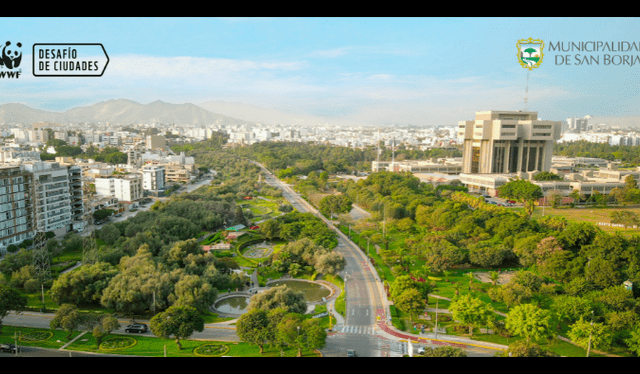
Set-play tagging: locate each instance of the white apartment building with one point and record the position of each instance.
(153, 177)
(126, 188)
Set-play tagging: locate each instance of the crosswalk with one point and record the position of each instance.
(369, 330)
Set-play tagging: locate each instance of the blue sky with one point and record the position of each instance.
(423, 71)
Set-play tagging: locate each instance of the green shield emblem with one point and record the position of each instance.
(530, 53)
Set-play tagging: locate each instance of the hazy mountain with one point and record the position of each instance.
(269, 116)
(19, 113)
(120, 111)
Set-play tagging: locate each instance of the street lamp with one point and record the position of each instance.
(590, 333)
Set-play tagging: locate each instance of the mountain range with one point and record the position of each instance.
(119, 111)
(126, 112)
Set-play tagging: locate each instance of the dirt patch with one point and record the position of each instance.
(504, 278)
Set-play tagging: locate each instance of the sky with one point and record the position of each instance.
(420, 71)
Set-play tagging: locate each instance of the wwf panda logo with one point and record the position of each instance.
(11, 56)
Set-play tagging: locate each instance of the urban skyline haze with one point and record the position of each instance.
(377, 71)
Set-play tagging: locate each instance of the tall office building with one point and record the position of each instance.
(502, 142)
(16, 212)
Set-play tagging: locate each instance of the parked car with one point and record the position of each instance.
(421, 350)
(11, 348)
(351, 353)
(137, 327)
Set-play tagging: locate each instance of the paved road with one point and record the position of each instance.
(365, 328)
(363, 289)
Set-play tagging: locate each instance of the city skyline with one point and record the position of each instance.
(376, 71)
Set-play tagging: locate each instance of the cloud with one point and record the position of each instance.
(183, 66)
(380, 76)
(330, 53)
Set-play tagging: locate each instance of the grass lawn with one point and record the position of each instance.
(590, 214)
(135, 345)
(32, 337)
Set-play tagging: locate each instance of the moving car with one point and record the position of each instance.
(137, 327)
(11, 348)
(351, 353)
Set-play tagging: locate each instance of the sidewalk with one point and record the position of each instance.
(392, 333)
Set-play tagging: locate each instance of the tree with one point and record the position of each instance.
(299, 333)
(443, 255)
(279, 297)
(132, 290)
(68, 318)
(582, 332)
(109, 233)
(444, 352)
(522, 349)
(633, 342)
(530, 322)
(84, 285)
(334, 204)
(10, 299)
(103, 326)
(288, 331)
(330, 263)
(177, 322)
(400, 284)
(411, 302)
(194, 291)
(625, 217)
(471, 311)
(494, 276)
(270, 228)
(522, 191)
(253, 328)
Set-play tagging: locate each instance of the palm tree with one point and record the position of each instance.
(470, 276)
(456, 287)
(447, 273)
(494, 276)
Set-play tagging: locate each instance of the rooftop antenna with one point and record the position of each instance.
(526, 94)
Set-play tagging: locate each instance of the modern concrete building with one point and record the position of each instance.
(55, 188)
(126, 188)
(16, 207)
(499, 142)
(156, 142)
(153, 178)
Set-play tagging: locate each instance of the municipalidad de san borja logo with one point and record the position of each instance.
(530, 53)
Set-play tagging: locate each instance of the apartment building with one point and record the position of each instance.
(56, 186)
(126, 188)
(16, 214)
(156, 142)
(153, 177)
